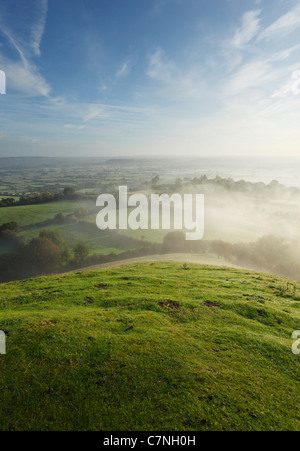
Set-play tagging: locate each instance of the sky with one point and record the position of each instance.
(150, 78)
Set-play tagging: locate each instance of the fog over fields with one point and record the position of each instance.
(252, 224)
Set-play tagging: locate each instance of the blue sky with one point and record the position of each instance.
(150, 77)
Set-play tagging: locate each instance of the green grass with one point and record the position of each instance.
(108, 350)
(32, 214)
(13, 196)
(99, 242)
(152, 236)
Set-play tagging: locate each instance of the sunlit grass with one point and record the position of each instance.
(150, 347)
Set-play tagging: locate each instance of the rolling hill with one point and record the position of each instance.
(152, 346)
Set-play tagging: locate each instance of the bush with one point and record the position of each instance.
(81, 252)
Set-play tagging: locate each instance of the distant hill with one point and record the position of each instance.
(37, 162)
(26, 162)
(157, 346)
(123, 162)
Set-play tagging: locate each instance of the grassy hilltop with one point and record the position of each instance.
(157, 346)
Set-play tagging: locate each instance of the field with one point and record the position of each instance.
(155, 346)
(98, 241)
(32, 214)
(198, 259)
(249, 224)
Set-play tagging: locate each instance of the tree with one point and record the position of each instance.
(221, 249)
(81, 212)
(7, 202)
(8, 232)
(155, 180)
(69, 191)
(56, 237)
(175, 242)
(81, 252)
(11, 238)
(179, 183)
(44, 254)
(60, 218)
(53, 235)
(9, 226)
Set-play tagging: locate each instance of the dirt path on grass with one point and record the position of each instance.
(198, 259)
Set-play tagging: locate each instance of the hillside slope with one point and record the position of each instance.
(198, 259)
(154, 346)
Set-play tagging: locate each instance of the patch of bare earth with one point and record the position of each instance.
(172, 305)
(211, 304)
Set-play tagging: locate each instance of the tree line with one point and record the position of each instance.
(67, 193)
(47, 254)
(50, 253)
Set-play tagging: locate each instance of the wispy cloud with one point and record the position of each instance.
(248, 30)
(124, 70)
(260, 74)
(74, 127)
(92, 112)
(160, 68)
(251, 75)
(98, 117)
(225, 91)
(23, 74)
(261, 71)
(285, 25)
(161, 4)
(38, 27)
(24, 77)
(177, 83)
(291, 87)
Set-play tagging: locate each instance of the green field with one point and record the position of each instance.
(32, 214)
(10, 197)
(99, 242)
(150, 347)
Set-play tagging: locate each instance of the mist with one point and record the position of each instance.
(49, 209)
